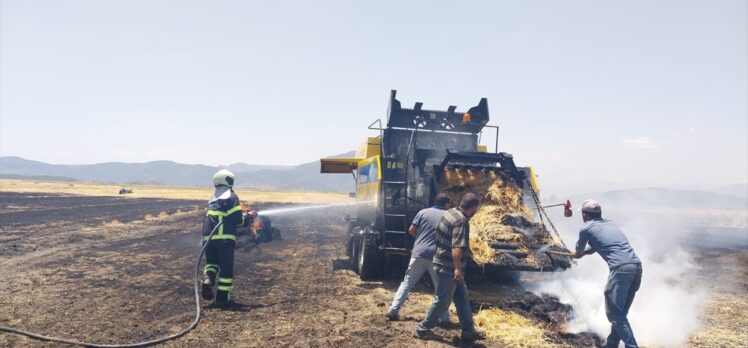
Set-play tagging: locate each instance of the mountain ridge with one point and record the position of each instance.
(305, 176)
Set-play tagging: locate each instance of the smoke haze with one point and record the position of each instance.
(665, 310)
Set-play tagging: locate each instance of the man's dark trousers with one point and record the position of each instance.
(449, 291)
(623, 283)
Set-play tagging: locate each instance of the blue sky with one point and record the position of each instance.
(634, 93)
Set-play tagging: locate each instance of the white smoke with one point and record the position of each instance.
(665, 309)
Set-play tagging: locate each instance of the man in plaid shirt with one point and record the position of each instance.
(450, 261)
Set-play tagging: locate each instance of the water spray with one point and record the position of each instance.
(293, 210)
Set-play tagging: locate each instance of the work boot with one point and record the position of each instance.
(230, 305)
(207, 289)
(224, 304)
(427, 335)
(392, 316)
(472, 336)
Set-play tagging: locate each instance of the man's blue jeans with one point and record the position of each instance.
(416, 268)
(447, 290)
(623, 283)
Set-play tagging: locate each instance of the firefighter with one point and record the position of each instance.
(219, 254)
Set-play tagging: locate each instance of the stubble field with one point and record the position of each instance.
(119, 270)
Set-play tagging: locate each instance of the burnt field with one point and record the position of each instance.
(119, 270)
(34, 221)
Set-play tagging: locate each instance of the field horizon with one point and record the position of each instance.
(167, 192)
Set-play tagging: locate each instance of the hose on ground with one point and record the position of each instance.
(139, 344)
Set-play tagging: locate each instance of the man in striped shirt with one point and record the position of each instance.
(450, 261)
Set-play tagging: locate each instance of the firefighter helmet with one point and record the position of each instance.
(224, 177)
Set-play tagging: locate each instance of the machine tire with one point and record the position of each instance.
(355, 244)
(369, 261)
(349, 240)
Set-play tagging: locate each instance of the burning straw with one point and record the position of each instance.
(500, 198)
(511, 329)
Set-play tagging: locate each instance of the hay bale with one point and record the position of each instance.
(511, 329)
(502, 216)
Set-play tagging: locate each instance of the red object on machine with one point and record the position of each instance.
(567, 209)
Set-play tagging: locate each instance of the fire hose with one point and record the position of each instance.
(139, 344)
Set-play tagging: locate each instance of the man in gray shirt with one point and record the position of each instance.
(606, 239)
(423, 227)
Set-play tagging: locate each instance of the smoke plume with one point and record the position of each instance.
(665, 309)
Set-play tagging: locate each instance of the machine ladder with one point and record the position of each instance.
(395, 218)
(396, 223)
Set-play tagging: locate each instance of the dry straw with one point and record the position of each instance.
(511, 329)
(500, 196)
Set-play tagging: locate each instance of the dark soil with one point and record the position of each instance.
(24, 209)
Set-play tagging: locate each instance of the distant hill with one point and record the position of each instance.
(304, 177)
(245, 168)
(671, 198)
(740, 190)
(36, 177)
(157, 172)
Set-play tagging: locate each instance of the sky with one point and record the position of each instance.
(617, 93)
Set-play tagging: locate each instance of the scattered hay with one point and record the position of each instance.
(724, 322)
(153, 217)
(511, 329)
(114, 222)
(502, 214)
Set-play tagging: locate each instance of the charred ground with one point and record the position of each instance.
(119, 270)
